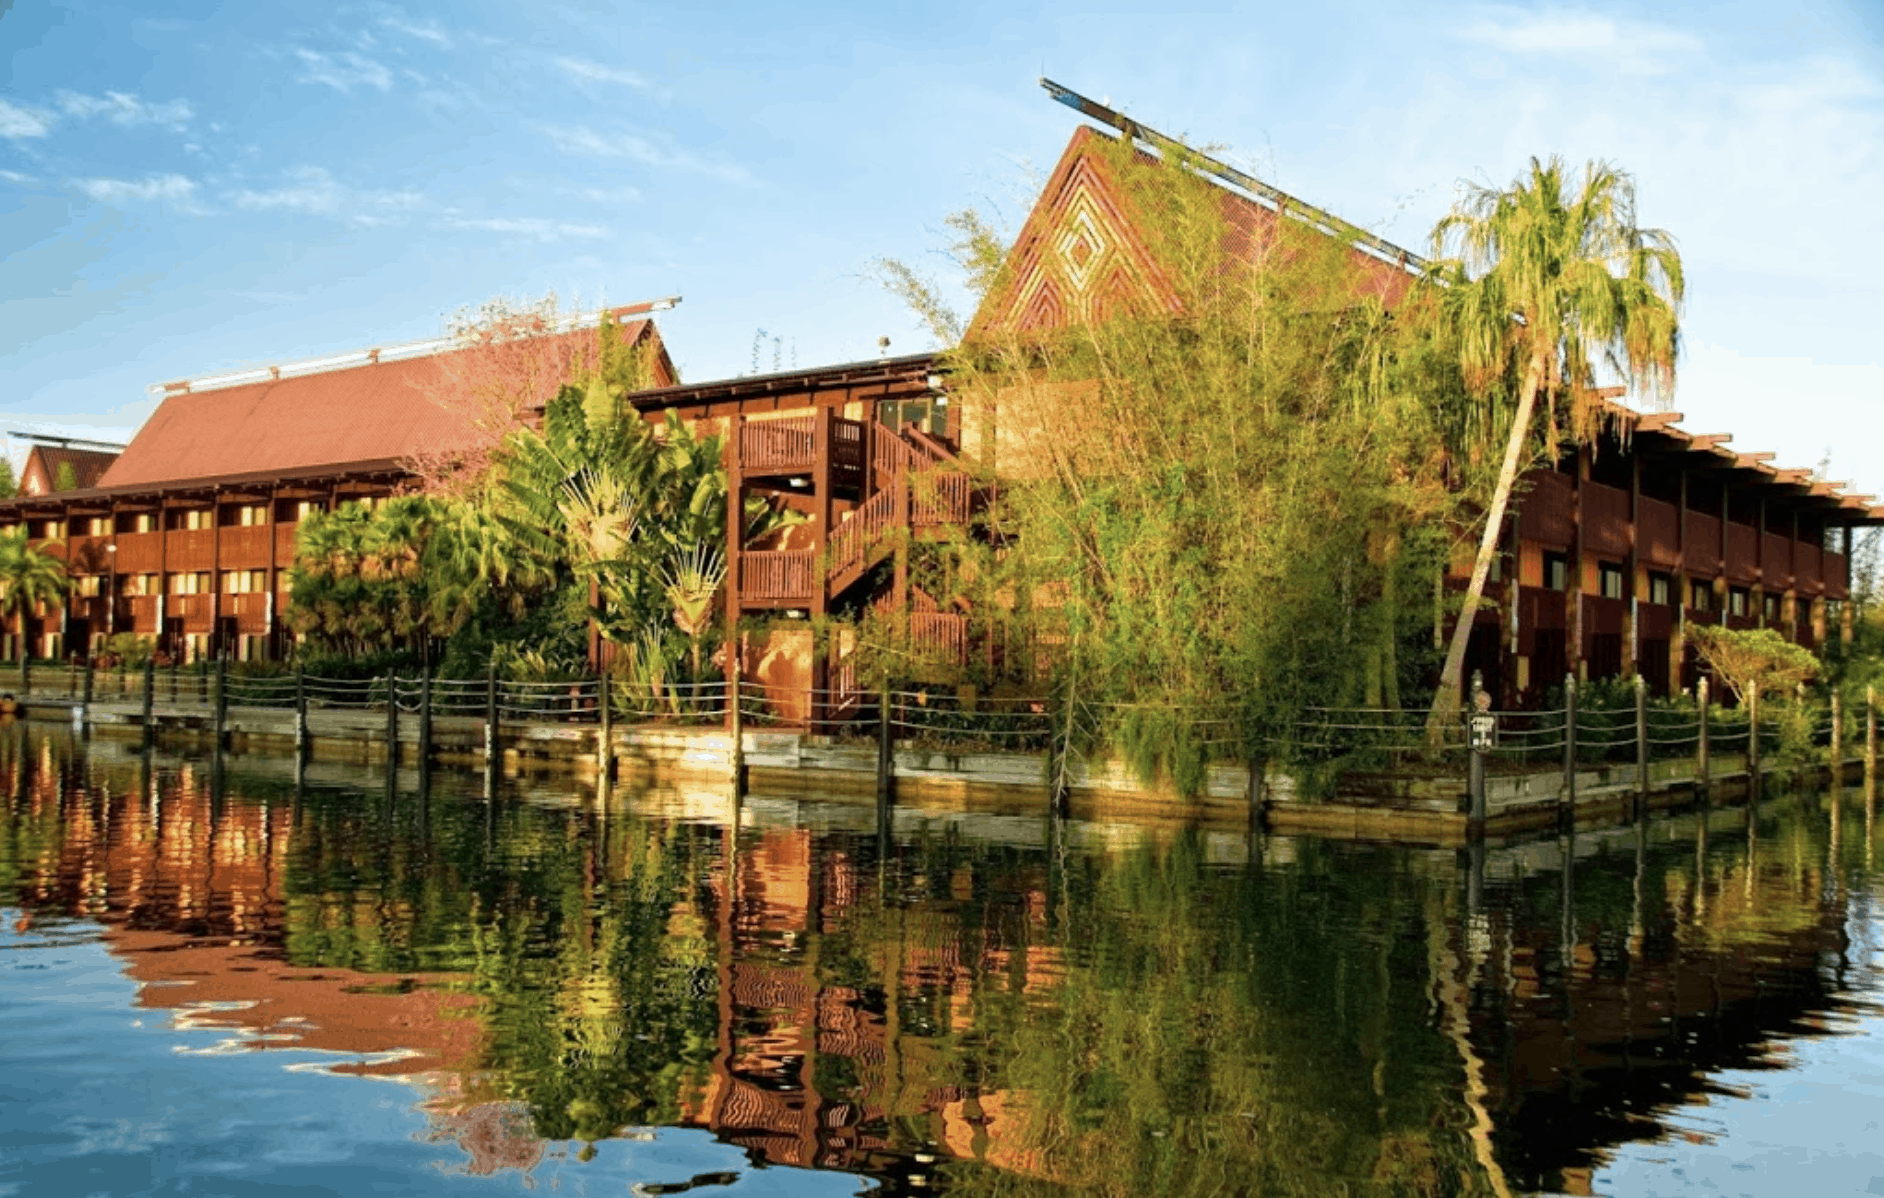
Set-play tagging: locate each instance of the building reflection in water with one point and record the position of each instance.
(974, 1003)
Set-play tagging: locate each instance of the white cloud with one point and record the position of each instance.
(342, 71)
(535, 228)
(122, 108)
(427, 31)
(313, 191)
(308, 189)
(17, 122)
(177, 190)
(1569, 33)
(582, 70)
(16, 177)
(587, 143)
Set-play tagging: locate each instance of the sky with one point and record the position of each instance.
(191, 189)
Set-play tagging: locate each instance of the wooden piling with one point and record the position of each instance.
(392, 719)
(1567, 797)
(737, 714)
(300, 714)
(222, 701)
(150, 700)
(490, 715)
(425, 720)
(1836, 750)
(1702, 762)
(604, 729)
(886, 757)
(1870, 749)
(91, 681)
(1475, 767)
(1641, 744)
(1753, 739)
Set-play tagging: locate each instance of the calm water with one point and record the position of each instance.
(222, 983)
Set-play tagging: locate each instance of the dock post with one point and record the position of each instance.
(1837, 748)
(490, 715)
(425, 720)
(222, 701)
(886, 756)
(1475, 765)
(1257, 795)
(300, 713)
(1753, 741)
(85, 705)
(738, 715)
(1702, 763)
(1567, 800)
(1870, 749)
(150, 700)
(392, 719)
(605, 729)
(26, 667)
(1641, 744)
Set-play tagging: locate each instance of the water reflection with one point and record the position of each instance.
(968, 1002)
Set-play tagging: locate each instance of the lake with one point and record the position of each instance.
(221, 979)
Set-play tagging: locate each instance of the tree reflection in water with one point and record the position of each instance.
(972, 1004)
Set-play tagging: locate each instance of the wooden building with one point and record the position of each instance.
(188, 536)
(64, 464)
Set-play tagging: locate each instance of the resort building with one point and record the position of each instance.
(188, 536)
(1607, 561)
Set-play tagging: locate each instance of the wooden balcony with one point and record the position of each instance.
(198, 612)
(1658, 534)
(1742, 563)
(138, 553)
(1776, 561)
(189, 550)
(250, 612)
(1547, 512)
(789, 447)
(1701, 550)
(1808, 562)
(1607, 531)
(1832, 575)
(138, 613)
(777, 578)
(244, 547)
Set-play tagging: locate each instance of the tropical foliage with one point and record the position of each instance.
(30, 578)
(1550, 289)
(1211, 522)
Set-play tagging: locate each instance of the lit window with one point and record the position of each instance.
(1609, 580)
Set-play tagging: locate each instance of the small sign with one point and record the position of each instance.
(1482, 731)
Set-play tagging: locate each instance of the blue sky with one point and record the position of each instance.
(189, 189)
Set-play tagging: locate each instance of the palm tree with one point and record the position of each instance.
(1544, 283)
(29, 578)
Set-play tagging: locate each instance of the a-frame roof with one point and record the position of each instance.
(377, 411)
(1080, 253)
(41, 473)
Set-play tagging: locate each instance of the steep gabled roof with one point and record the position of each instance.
(41, 473)
(1079, 251)
(374, 411)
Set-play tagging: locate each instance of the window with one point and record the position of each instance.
(139, 584)
(88, 586)
(251, 514)
(1738, 601)
(196, 518)
(1609, 580)
(189, 584)
(97, 526)
(1661, 588)
(1700, 595)
(1769, 608)
(1556, 572)
(1802, 612)
(244, 582)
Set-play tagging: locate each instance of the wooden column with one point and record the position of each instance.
(1574, 650)
(735, 544)
(1759, 567)
(216, 647)
(1631, 665)
(821, 507)
(270, 599)
(1844, 606)
(1678, 651)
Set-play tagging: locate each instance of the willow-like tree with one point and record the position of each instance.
(1548, 282)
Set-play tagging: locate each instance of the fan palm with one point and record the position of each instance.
(29, 578)
(1547, 283)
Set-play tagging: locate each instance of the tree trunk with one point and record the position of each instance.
(1446, 699)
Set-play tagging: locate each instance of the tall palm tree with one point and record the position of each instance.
(28, 579)
(1548, 283)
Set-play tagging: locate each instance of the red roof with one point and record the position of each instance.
(41, 474)
(376, 411)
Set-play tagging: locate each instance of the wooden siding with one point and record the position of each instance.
(1742, 558)
(1658, 533)
(1606, 527)
(138, 553)
(189, 550)
(1776, 561)
(1701, 552)
(1547, 513)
